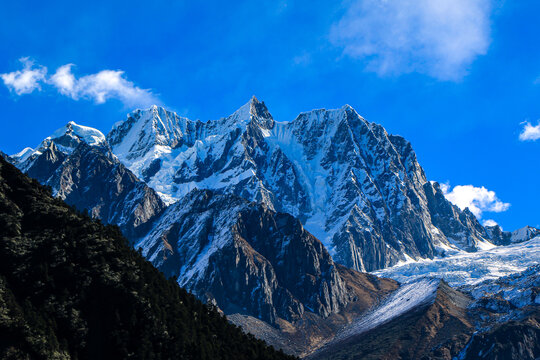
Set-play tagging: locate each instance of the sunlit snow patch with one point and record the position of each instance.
(404, 299)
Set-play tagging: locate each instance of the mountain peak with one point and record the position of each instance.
(260, 113)
(144, 129)
(87, 134)
(66, 139)
(254, 112)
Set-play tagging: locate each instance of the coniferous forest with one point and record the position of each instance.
(72, 288)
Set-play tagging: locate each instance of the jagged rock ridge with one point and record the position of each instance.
(357, 188)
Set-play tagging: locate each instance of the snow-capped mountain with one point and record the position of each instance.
(65, 139)
(77, 163)
(355, 187)
(506, 237)
(358, 189)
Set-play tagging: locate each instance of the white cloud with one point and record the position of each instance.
(99, 87)
(530, 132)
(477, 199)
(26, 80)
(489, 222)
(438, 38)
(64, 80)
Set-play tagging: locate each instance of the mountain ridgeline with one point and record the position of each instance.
(253, 214)
(358, 189)
(72, 288)
(355, 187)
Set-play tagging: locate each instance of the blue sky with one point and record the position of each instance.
(457, 78)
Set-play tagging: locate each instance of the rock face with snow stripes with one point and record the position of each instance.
(358, 189)
(245, 258)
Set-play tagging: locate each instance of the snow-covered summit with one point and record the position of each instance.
(147, 134)
(358, 189)
(87, 134)
(23, 154)
(64, 139)
(146, 129)
(253, 111)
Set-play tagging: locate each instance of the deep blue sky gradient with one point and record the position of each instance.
(206, 59)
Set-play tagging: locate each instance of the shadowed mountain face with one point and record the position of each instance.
(514, 340)
(427, 319)
(242, 255)
(71, 288)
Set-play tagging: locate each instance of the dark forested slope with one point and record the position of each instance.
(72, 288)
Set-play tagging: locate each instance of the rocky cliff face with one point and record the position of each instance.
(358, 189)
(460, 227)
(245, 258)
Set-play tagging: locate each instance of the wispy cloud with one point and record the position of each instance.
(438, 38)
(477, 199)
(99, 87)
(530, 132)
(26, 80)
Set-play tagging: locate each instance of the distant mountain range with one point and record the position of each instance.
(268, 220)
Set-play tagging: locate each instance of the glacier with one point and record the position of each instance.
(470, 268)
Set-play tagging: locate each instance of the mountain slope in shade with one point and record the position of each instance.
(357, 188)
(512, 340)
(76, 162)
(217, 243)
(311, 331)
(71, 288)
